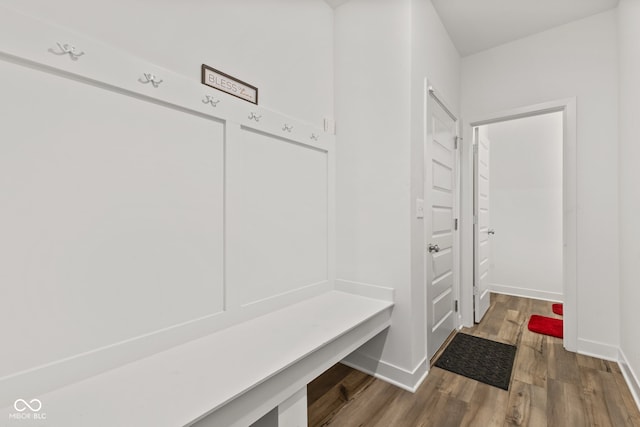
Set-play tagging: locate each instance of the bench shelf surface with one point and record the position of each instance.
(279, 351)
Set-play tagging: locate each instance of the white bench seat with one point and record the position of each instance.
(231, 377)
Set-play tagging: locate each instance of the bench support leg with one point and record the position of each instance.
(293, 411)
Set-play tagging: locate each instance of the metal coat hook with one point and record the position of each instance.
(210, 100)
(254, 116)
(314, 137)
(150, 78)
(287, 128)
(67, 49)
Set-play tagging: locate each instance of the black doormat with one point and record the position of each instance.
(480, 359)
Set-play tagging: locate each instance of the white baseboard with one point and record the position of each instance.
(526, 293)
(598, 349)
(365, 289)
(630, 377)
(407, 380)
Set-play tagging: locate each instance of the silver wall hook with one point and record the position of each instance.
(287, 128)
(210, 100)
(150, 78)
(254, 116)
(67, 49)
(314, 137)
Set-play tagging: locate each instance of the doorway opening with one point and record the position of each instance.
(546, 230)
(518, 209)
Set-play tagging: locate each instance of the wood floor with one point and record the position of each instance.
(549, 387)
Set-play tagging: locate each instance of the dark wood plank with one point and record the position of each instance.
(531, 361)
(339, 386)
(627, 398)
(565, 404)
(603, 400)
(403, 409)
(512, 327)
(562, 364)
(446, 412)
(364, 411)
(487, 407)
(325, 382)
(527, 405)
(457, 387)
(592, 363)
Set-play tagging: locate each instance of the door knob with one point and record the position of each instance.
(433, 248)
(491, 231)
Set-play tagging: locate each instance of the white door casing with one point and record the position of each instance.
(441, 236)
(569, 224)
(482, 232)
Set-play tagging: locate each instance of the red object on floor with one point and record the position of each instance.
(546, 325)
(557, 308)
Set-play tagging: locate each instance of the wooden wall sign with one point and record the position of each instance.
(226, 83)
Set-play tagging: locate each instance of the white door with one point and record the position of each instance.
(440, 187)
(482, 232)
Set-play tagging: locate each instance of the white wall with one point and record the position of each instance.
(629, 34)
(578, 59)
(372, 95)
(129, 213)
(525, 206)
(284, 47)
(384, 51)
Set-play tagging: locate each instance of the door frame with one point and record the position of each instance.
(431, 92)
(569, 219)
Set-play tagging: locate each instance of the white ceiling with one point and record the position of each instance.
(476, 25)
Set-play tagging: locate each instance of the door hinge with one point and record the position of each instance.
(455, 305)
(475, 219)
(455, 224)
(456, 142)
(475, 148)
(475, 290)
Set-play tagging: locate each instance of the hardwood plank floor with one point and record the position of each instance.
(549, 386)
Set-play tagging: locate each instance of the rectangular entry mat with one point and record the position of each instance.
(480, 359)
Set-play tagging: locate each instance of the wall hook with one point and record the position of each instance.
(254, 116)
(210, 100)
(150, 78)
(67, 49)
(314, 137)
(287, 128)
